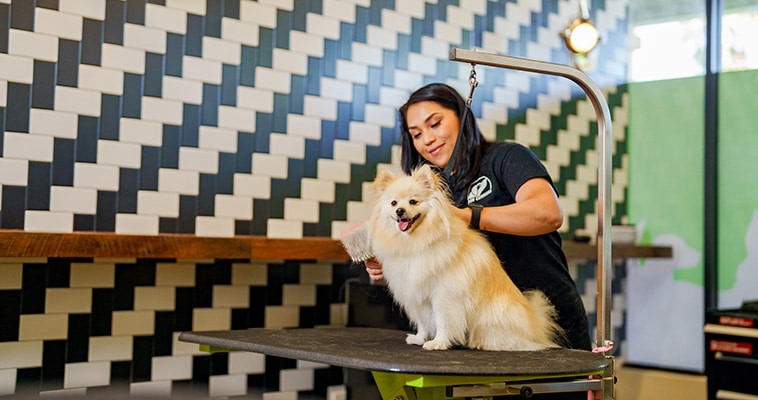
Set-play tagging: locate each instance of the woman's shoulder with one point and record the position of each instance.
(504, 148)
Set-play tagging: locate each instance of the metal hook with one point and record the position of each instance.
(473, 83)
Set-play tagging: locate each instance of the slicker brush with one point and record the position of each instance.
(356, 244)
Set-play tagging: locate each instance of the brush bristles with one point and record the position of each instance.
(355, 242)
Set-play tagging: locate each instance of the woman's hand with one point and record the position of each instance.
(374, 269)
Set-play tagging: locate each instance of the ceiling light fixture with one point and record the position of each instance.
(580, 35)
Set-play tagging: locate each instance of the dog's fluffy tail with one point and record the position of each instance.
(546, 318)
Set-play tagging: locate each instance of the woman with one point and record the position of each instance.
(503, 190)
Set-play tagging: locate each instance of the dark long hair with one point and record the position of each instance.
(471, 142)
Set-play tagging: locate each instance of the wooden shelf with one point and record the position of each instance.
(24, 244)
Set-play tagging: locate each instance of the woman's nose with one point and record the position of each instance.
(427, 137)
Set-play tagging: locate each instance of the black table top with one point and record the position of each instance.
(385, 350)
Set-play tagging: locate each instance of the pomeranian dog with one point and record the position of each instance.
(447, 277)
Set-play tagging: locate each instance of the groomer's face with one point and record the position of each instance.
(434, 130)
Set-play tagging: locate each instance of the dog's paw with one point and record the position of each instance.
(436, 344)
(416, 339)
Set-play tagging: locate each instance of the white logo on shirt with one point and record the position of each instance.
(480, 189)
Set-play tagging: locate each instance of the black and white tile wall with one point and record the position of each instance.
(237, 117)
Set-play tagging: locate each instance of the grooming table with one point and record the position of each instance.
(408, 372)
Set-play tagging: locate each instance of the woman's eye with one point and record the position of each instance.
(413, 202)
(436, 124)
(393, 203)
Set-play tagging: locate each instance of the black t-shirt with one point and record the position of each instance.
(532, 262)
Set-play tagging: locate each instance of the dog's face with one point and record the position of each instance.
(404, 202)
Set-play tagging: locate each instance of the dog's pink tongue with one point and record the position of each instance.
(402, 225)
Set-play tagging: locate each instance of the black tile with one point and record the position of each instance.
(110, 117)
(258, 295)
(77, 341)
(314, 70)
(102, 312)
(86, 139)
(229, 83)
(105, 220)
(211, 101)
(244, 153)
(187, 213)
(68, 63)
(59, 272)
(17, 109)
(213, 13)
(115, 16)
(132, 97)
(43, 88)
(201, 368)
(22, 15)
(153, 75)
(5, 16)
(128, 186)
(281, 109)
(299, 16)
(203, 285)
(232, 9)
(323, 304)
(283, 27)
(194, 36)
(120, 371)
(38, 186)
(63, 162)
(50, 4)
(123, 289)
(163, 333)
(307, 317)
(174, 54)
(92, 41)
(191, 125)
(260, 207)
(184, 304)
(297, 94)
(167, 225)
(240, 318)
(225, 176)
(53, 364)
(14, 205)
(142, 352)
(28, 382)
(219, 364)
(206, 200)
(144, 274)
(135, 12)
(169, 151)
(10, 314)
(243, 227)
(148, 172)
(84, 223)
(274, 366)
(265, 48)
(222, 272)
(248, 62)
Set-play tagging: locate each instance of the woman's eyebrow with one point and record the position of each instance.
(425, 120)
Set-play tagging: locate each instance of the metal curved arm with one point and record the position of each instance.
(605, 166)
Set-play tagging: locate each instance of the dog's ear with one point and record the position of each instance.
(383, 179)
(426, 177)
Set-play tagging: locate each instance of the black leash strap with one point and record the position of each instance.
(473, 84)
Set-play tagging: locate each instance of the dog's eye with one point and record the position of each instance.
(393, 203)
(413, 202)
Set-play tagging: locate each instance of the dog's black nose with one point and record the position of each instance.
(400, 212)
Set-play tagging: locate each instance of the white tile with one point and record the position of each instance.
(93, 275)
(57, 393)
(194, 159)
(87, 374)
(219, 139)
(337, 392)
(227, 385)
(73, 200)
(26, 354)
(68, 300)
(187, 91)
(184, 348)
(225, 51)
(33, 45)
(123, 58)
(16, 68)
(378, 37)
(160, 17)
(246, 363)
(132, 224)
(210, 319)
(258, 14)
(335, 89)
(381, 115)
(276, 81)
(94, 9)
(338, 10)
(295, 379)
(361, 132)
(278, 317)
(196, 7)
(54, 23)
(3, 92)
(236, 118)
(26, 146)
(284, 229)
(167, 368)
(239, 31)
(316, 106)
(255, 99)
(47, 221)
(237, 207)
(316, 274)
(280, 396)
(53, 123)
(257, 187)
(314, 189)
(8, 382)
(307, 127)
(269, 165)
(289, 146)
(320, 25)
(422, 64)
(368, 55)
(149, 133)
(351, 152)
(178, 274)
(178, 181)
(84, 102)
(301, 210)
(298, 295)
(110, 348)
(312, 45)
(162, 204)
(414, 8)
(162, 110)
(101, 177)
(202, 70)
(333, 170)
(149, 390)
(10, 276)
(285, 60)
(397, 22)
(126, 323)
(251, 274)
(13, 172)
(154, 298)
(231, 296)
(42, 327)
(120, 154)
(214, 226)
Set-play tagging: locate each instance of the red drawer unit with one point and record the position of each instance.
(731, 340)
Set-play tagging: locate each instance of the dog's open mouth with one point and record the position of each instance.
(404, 224)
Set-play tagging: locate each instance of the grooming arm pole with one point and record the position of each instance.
(605, 166)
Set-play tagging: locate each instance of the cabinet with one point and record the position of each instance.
(731, 364)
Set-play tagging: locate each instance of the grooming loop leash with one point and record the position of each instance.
(473, 83)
